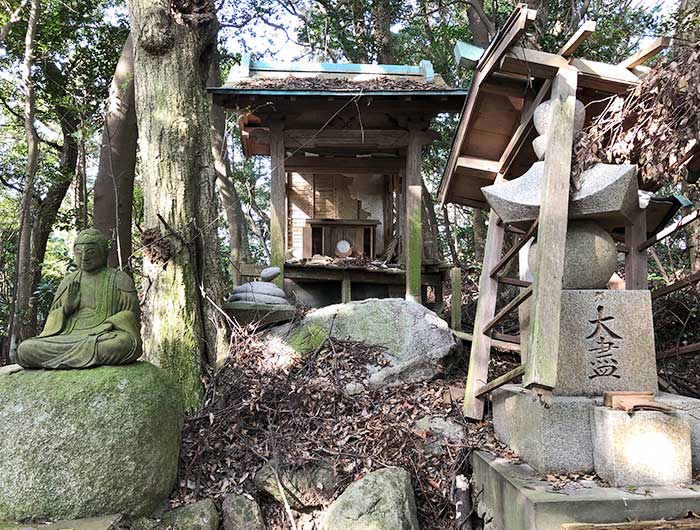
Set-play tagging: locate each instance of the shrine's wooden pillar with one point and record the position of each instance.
(456, 314)
(636, 261)
(545, 308)
(278, 202)
(413, 232)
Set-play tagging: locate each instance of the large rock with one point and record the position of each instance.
(80, 443)
(304, 487)
(415, 338)
(241, 512)
(381, 500)
(201, 515)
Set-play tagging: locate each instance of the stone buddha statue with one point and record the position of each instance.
(94, 317)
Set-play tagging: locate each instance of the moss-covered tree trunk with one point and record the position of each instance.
(183, 329)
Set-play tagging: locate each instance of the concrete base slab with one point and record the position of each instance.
(553, 440)
(513, 497)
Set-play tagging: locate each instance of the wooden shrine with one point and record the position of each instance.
(344, 142)
(494, 144)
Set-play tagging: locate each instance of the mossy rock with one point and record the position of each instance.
(80, 443)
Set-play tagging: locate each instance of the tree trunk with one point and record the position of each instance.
(382, 31)
(230, 201)
(450, 241)
(183, 330)
(114, 186)
(20, 327)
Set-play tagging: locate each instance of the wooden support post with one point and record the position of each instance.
(543, 340)
(636, 261)
(346, 288)
(278, 192)
(485, 311)
(414, 230)
(524, 309)
(456, 280)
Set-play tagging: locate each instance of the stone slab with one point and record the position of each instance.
(108, 522)
(516, 498)
(553, 440)
(688, 408)
(645, 448)
(606, 343)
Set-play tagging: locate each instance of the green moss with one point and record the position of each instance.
(106, 438)
(415, 254)
(308, 338)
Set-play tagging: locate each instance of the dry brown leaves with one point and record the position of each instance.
(253, 413)
(656, 125)
(331, 83)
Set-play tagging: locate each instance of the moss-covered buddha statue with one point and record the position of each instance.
(94, 317)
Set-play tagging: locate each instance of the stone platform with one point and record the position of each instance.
(512, 496)
(560, 439)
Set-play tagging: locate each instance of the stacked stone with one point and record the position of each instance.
(261, 292)
(606, 344)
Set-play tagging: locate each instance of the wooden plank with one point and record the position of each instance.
(523, 131)
(670, 230)
(498, 344)
(657, 45)
(327, 164)
(605, 77)
(456, 314)
(675, 286)
(315, 138)
(414, 226)
(481, 165)
(278, 210)
(543, 340)
(512, 339)
(500, 381)
(532, 63)
(681, 524)
(676, 352)
(486, 308)
(514, 281)
(512, 251)
(515, 302)
(636, 261)
(585, 31)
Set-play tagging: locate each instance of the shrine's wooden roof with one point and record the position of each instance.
(371, 99)
(495, 132)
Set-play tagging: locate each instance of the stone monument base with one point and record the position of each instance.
(512, 496)
(560, 439)
(82, 443)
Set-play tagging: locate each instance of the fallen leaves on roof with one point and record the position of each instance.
(334, 83)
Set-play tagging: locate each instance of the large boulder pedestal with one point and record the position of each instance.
(80, 443)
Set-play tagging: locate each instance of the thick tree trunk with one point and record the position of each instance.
(383, 18)
(114, 186)
(183, 330)
(230, 201)
(20, 324)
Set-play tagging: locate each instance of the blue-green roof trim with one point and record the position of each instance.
(336, 93)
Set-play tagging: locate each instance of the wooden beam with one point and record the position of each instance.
(515, 302)
(515, 249)
(456, 314)
(498, 344)
(636, 261)
(670, 230)
(500, 381)
(532, 63)
(477, 375)
(585, 31)
(543, 340)
(346, 288)
(325, 164)
(315, 138)
(681, 524)
(675, 286)
(657, 45)
(413, 220)
(278, 203)
(676, 352)
(480, 165)
(511, 339)
(514, 281)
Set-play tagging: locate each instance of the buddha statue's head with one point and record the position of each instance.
(91, 249)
